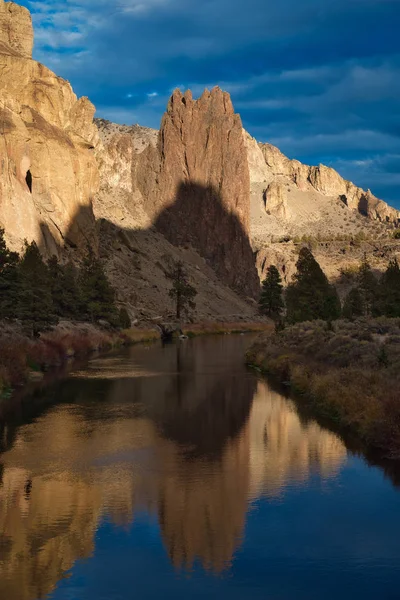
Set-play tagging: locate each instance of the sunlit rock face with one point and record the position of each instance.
(326, 182)
(48, 172)
(16, 34)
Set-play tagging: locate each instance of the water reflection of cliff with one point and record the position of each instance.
(284, 450)
(186, 445)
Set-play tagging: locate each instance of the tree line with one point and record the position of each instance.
(38, 293)
(310, 296)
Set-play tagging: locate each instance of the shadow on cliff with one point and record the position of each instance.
(196, 218)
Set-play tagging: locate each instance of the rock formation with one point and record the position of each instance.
(197, 190)
(197, 173)
(48, 172)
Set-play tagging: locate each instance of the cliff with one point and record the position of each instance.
(195, 172)
(48, 172)
(200, 189)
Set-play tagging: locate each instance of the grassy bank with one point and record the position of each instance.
(23, 359)
(349, 372)
(210, 327)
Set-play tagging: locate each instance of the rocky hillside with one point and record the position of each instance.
(292, 199)
(200, 190)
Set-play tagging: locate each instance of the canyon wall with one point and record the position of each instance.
(48, 171)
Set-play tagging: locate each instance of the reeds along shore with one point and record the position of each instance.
(349, 372)
(22, 357)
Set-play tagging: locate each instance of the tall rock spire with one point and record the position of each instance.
(16, 31)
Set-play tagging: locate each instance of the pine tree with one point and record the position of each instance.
(35, 307)
(310, 295)
(388, 302)
(66, 294)
(353, 305)
(124, 319)
(368, 287)
(9, 281)
(271, 300)
(97, 293)
(182, 291)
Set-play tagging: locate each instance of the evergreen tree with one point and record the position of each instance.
(368, 288)
(65, 291)
(124, 319)
(271, 300)
(9, 281)
(310, 295)
(353, 305)
(35, 307)
(97, 293)
(388, 302)
(182, 291)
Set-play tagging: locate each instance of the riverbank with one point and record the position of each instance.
(23, 360)
(221, 328)
(348, 372)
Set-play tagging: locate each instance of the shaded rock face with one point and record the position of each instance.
(203, 194)
(327, 182)
(48, 171)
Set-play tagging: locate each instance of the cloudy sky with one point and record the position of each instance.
(320, 79)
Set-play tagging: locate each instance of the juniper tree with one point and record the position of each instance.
(271, 300)
(310, 295)
(388, 301)
(35, 306)
(182, 291)
(9, 281)
(368, 287)
(124, 319)
(98, 296)
(65, 290)
(353, 306)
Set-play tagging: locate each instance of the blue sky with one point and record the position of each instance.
(320, 79)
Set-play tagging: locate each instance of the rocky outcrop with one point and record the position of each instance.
(119, 199)
(16, 33)
(327, 182)
(204, 179)
(276, 200)
(48, 171)
(193, 185)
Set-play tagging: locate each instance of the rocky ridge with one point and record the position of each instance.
(292, 199)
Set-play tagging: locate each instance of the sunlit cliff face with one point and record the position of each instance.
(117, 453)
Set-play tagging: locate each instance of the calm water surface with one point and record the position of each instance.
(176, 473)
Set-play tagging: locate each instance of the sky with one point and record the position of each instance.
(320, 79)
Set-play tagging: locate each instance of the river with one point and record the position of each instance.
(175, 472)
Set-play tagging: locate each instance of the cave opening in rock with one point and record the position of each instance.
(28, 180)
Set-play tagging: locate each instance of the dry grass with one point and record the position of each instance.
(136, 336)
(349, 372)
(210, 327)
(20, 355)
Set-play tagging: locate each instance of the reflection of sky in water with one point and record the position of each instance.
(200, 481)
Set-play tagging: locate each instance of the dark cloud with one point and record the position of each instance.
(321, 79)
